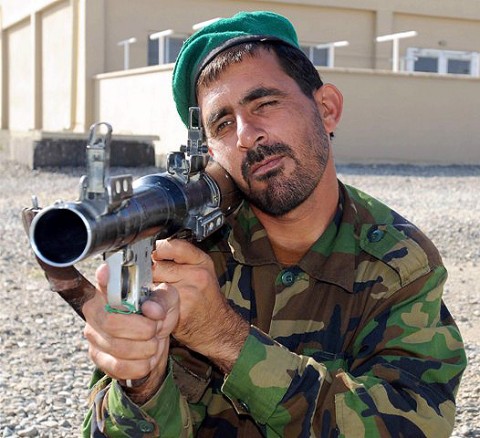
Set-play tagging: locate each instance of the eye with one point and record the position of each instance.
(267, 103)
(221, 126)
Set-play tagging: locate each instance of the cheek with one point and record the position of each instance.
(230, 161)
(221, 156)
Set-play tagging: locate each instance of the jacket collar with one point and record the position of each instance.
(331, 259)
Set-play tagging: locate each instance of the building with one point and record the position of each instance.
(411, 98)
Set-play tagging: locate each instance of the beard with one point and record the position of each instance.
(284, 193)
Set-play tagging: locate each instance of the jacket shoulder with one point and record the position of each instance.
(393, 240)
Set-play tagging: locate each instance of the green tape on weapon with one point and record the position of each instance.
(129, 308)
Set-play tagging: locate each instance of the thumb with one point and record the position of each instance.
(163, 301)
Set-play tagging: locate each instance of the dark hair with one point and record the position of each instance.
(292, 61)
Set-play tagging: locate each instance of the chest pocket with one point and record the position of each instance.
(394, 248)
(316, 319)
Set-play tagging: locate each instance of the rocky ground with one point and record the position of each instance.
(44, 368)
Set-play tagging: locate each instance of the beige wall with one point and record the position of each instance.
(54, 50)
(56, 71)
(418, 118)
(140, 103)
(14, 11)
(440, 32)
(20, 91)
(388, 118)
(359, 22)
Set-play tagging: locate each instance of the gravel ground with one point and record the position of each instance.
(44, 368)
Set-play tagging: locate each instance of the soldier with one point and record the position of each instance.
(316, 312)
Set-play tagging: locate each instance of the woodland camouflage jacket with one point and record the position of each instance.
(354, 341)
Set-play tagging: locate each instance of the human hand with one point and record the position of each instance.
(130, 347)
(206, 324)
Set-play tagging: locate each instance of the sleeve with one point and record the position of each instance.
(113, 414)
(401, 379)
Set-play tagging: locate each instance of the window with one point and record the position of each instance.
(426, 64)
(443, 61)
(323, 54)
(318, 56)
(164, 47)
(459, 67)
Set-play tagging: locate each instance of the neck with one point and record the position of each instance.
(292, 235)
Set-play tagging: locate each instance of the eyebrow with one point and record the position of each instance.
(213, 117)
(259, 92)
(252, 95)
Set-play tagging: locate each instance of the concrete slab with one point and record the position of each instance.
(38, 149)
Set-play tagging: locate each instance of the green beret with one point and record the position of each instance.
(204, 45)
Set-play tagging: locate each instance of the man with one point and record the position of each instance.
(316, 312)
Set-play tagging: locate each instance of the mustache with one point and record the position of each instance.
(261, 152)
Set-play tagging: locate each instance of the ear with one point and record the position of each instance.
(330, 104)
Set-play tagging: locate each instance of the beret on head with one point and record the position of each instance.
(204, 45)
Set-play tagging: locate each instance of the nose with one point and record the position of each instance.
(250, 132)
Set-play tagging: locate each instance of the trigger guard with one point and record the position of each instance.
(114, 286)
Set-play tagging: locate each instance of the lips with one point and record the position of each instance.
(264, 160)
(266, 165)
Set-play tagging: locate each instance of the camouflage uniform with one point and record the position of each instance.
(353, 341)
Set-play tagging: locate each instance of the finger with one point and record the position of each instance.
(93, 309)
(123, 369)
(119, 347)
(194, 277)
(179, 251)
(120, 369)
(167, 272)
(101, 276)
(116, 325)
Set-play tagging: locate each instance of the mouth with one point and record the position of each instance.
(269, 164)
